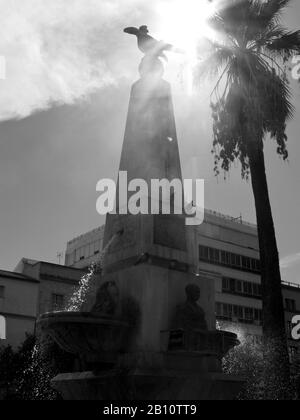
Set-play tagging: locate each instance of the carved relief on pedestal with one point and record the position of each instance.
(110, 305)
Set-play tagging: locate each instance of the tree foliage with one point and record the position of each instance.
(252, 96)
(26, 373)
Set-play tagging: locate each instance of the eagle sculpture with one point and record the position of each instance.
(149, 45)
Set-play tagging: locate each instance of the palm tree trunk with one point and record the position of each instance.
(275, 338)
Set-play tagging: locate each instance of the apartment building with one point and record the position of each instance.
(18, 307)
(34, 288)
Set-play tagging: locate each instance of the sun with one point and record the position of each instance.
(185, 22)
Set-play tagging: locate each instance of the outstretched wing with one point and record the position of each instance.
(131, 31)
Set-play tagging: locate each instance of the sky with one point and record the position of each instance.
(63, 106)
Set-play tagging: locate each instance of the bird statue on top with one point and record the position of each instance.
(149, 45)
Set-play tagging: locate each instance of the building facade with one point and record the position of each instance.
(56, 283)
(222, 246)
(18, 307)
(84, 250)
(34, 288)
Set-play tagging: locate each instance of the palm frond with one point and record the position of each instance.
(271, 10)
(214, 63)
(255, 99)
(286, 43)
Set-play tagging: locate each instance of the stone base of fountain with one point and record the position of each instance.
(115, 364)
(188, 367)
(146, 385)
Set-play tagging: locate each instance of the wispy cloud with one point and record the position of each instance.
(56, 51)
(61, 51)
(290, 261)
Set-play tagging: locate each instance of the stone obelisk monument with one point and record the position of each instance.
(151, 332)
(149, 259)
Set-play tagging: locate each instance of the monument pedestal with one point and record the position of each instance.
(148, 270)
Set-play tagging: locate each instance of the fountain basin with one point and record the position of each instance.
(86, 334)
(217, 343)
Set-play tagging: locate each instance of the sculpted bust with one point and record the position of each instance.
(107, 300)
(190, 316)
(110, 305)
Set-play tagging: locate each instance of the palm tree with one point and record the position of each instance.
(251, 102)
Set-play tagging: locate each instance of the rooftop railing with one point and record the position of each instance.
(289, 284)
(238, 220)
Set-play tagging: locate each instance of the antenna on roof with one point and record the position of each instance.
(60, 256)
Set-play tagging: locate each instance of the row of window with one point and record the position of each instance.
(238, 313)
(84, 252)
(58, 302)
(230, 285)
(229, 259)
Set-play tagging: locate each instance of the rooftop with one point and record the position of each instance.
(17, 276)
(99, 229)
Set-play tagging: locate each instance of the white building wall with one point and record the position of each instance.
(85, 250)
(19, 307)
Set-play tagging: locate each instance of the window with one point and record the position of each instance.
(258, 316)
(246, 263)
(249, 314)
(248, 288)
(257, 265)
(218, 309)
(238, 313)
(234, 286)
(228, 259)
(2, 292)
(227, 311)
(290, 305)
(257, 290)
(225, 258)
(235, 260)
(58, 302)
(225, 284)
(203, 251)
(239, 286)
(214, 255)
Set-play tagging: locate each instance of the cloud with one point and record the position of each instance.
(290, 261)
(59, 51)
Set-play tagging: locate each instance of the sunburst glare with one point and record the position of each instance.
(184, 24)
